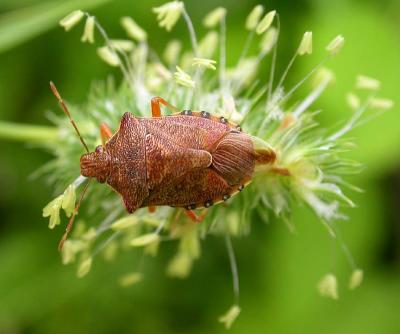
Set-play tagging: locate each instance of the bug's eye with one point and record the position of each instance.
(99, 149)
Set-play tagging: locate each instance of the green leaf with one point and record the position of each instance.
(21, 25)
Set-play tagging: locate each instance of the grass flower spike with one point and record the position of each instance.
(306, 163)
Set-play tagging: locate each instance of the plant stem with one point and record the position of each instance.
(27, 133)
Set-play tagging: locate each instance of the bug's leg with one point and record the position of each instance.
(281, 171)
(105, 133)
(196, 218)
(155, 106)
(152, 209)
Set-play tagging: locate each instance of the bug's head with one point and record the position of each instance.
(96, 164)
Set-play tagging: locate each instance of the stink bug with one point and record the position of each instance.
(189, 159)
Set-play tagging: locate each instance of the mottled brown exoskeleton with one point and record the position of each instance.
(189, 159)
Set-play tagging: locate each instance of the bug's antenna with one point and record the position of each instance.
(72, 219)
(64, 107)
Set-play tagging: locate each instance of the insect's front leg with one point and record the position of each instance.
(155, 106)
(105, 133)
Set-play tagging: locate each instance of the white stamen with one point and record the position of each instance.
(122, 44)
(71, 20)
(353, 101)
(327, 286)
(84, 268)
(208, 45)
(254, 17)
(168, 14)
(144, 240)
(268, 41)
(305, 44)
(130, 279)
(230, 316)
(335, 45)
(172, 51)
(88, 32)
(207, 63)
(69, 198)
(53, 210)
(133, 29)
(266, 22)
(367, 83)
(214, 17)
(382, 104)
(180, 265)
(109, 56)
(356, 279)
(124, 223)
(182, 78)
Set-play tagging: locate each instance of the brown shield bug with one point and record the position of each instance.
(189, 159)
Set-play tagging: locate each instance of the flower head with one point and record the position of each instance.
(307, 163)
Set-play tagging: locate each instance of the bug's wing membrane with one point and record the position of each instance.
(233, 158)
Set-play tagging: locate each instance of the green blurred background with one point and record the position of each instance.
(278, 270)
